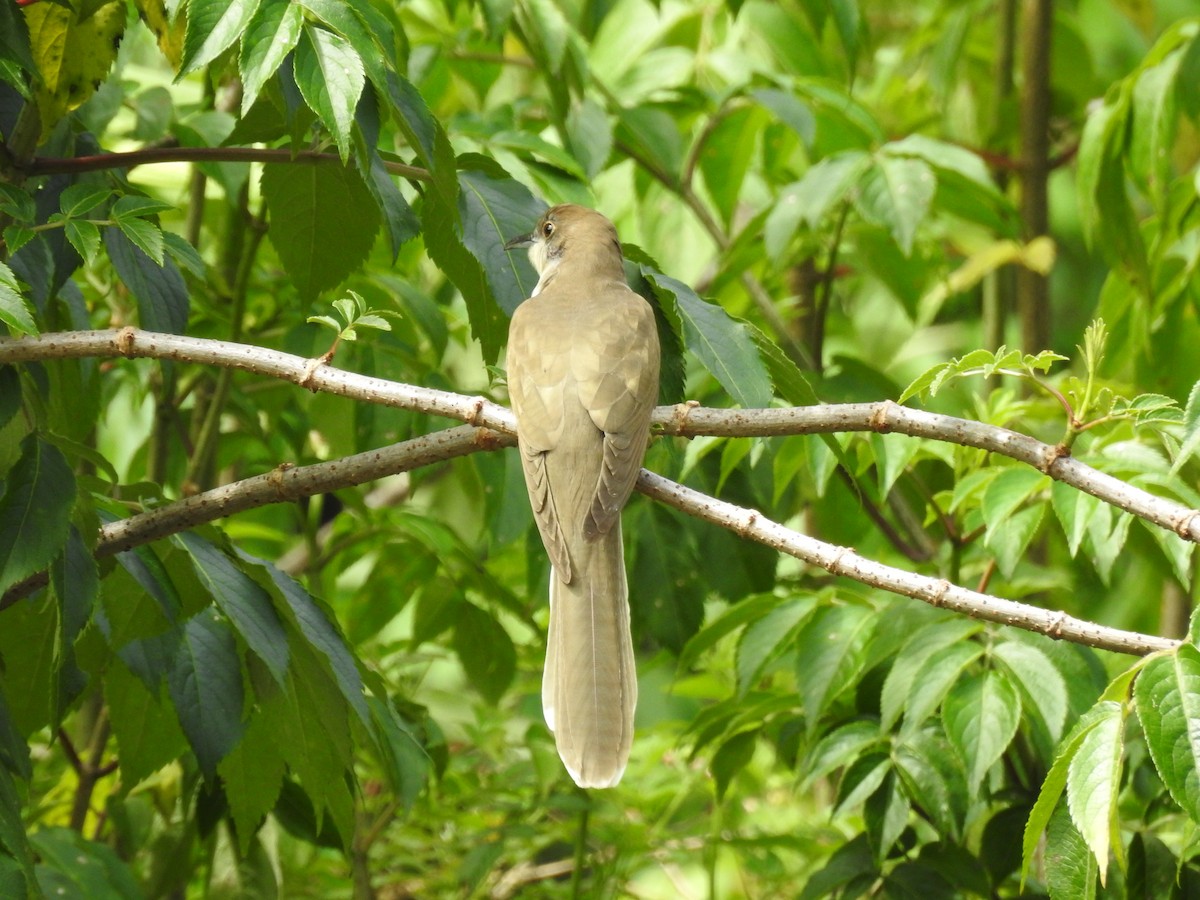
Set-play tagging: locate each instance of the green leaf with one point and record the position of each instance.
(146, 236)
(731, 757)
(831, 654)
(1190, 439)
(722, 343)
(246, 604)
(485, 651)
(1043, 685)
(184, 253)
(323, 222)
(494, 208)
(768, 636)
(981, 714)
(85, 238)
(212, 27)
(252, 774)
(72, 866)
(206, 688)
(1056, 779)
(17, 202)
(330, 75)
(730, 620)
(1168, 705)
(320, 630)
(15, 311)
(1070, 868)
(933, 778)
(162, 295)
(913, 659)
(839, 748)
(941, 672)
(81, 199)
(405, 759)
(1004, 495)
(896, 194)
(17, 876)
(271, 34)
(1093, 782)
(1010, 540)
(146, 730)
(809, 200)
(35, 511)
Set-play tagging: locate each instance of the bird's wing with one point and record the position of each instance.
(616, 368)
(536, 388)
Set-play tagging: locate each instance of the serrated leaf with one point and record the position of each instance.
(767, 637)
(15, 311)
(1168, 705)
(206, 688)
(328, 321)
(745, 611)
(184, 253)
(146, 729)
(74, 52)
(212, 28)
(1190, 439)
(831, 654)
(271, 34)
(162, 295)
(1008, 491)
(80, 199)
(1070, 868)
(912, 659)
(252, 773)
(1056, 779)
(896, 195)
(485, 651)
(85, 238)
(245, 603)
(1093, 782)
(17, 202)
(722, 343)
(981, 714)
(34, 511)
(323, 222)
(319, 629)
(1044, 685)
(941, 670)
(494, 208)
(810, 199)
(329, 73)
(16, 237)
(144, 235)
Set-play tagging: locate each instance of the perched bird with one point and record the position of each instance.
(583, 360)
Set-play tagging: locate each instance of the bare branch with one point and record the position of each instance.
(492, 426)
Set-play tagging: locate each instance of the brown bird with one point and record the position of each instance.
(583, 361)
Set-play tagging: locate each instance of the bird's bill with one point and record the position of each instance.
(521, 240)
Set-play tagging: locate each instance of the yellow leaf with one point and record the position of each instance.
(168, 33)
(74, 52)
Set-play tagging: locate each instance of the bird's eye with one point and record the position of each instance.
(547, 229)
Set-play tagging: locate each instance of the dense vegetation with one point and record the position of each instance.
(914, 610)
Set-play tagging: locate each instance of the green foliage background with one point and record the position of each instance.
(337, 695)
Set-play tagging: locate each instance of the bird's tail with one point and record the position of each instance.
(589, 689)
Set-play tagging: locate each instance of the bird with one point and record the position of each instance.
(582, 364)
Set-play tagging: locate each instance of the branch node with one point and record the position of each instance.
(1051, 456)
(478, 403)
(1055, 628)
(679, 418)
(125, 340)
(489, 440)
(879, 417)
(1183, 525)
(938, 598)
(310, 370)
(746, 527)
(275, 478)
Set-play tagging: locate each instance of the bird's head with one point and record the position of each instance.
(572, 237)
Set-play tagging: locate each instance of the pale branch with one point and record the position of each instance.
(684, 420)
(934, 591)
(492, 426)
(281, 484)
